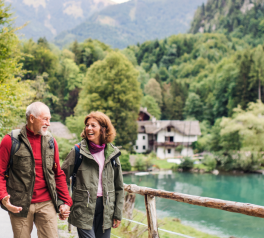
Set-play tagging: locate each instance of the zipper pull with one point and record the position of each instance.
(88, 198)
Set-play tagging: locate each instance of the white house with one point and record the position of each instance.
(168, 138)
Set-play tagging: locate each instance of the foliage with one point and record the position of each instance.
(243, 161)
(246, 126)
(240, 19)
(153, 89)
(76, 125)
(111, 87)
(65, 147)
(210, 162)
(140, 164)
(124, 160)
(14, 94)
(150, 103)
(186, 164)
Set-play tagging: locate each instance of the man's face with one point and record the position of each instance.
(41, 123)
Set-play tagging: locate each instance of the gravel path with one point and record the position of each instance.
(6, 229)
(5, 226)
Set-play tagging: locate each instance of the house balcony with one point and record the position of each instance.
(171, 144)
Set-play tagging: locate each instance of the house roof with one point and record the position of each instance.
(144, 110)
(189, 128)
(59, 130)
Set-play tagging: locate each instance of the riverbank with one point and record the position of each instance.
(131, 230)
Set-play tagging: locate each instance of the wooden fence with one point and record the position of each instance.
(150, 194)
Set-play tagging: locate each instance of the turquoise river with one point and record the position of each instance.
(246, 188)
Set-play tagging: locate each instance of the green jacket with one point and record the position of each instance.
(85, 188)
(20, 184)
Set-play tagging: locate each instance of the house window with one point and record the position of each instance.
(169, 151)
(168, 129)
(169, 138)
(143, 137)
(136, 147)
(144, 147)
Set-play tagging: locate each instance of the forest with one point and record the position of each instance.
(214, 77)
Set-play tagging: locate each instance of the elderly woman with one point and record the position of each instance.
(98, 191)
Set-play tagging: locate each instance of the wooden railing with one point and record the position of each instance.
(150, 194)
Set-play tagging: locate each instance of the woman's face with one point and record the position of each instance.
(92, 131)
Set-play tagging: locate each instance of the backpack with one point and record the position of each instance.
(15, 147)
(78, 162)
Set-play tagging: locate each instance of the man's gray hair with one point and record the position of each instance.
(35, 109)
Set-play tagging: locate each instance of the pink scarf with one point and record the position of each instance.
(95, 148)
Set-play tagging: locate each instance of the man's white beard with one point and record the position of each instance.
(41, 132)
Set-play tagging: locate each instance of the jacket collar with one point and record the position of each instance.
(109, 152)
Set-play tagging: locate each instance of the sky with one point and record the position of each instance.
(119, 1)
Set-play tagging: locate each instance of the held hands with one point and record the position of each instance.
(116, 223)
(64, 212)
(9, 206)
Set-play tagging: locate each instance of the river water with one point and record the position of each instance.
(246, 188)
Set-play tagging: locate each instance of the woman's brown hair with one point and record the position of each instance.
(108, 131)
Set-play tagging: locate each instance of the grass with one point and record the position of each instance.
(162, 164)
(131, 230)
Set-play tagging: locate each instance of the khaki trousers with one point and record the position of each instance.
(44, 216)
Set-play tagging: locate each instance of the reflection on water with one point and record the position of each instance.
(241, 188)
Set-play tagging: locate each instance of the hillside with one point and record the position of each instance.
(240, 18)
(134, 21)
(49, 18)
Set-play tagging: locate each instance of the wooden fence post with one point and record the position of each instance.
(129, 205)
(151, 216)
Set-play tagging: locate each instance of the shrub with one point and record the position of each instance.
(210, 162)
(65, 147)
(186, 164)
(140, 164)
(124, 160)
(242, 160)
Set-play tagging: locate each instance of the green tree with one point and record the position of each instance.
(151, 105)
(153, 89)
(38, 59)
(111, 87)
(258, 68)
(193, 107)
(247, 126)
(14, 94)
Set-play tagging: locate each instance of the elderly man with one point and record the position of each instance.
(36, 186)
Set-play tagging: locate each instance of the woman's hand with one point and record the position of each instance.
(116, 223)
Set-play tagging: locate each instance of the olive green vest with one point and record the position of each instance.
(22, 174)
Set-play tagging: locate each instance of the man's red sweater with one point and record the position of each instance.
(41, 192)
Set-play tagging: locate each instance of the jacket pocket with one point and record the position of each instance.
(82, 208)
(22, 163)
(16, 195)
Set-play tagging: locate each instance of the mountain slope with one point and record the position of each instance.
(48, 18)
(240, 18)
(134, 21)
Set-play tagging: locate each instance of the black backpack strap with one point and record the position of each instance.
(15, 146)
(77, 163)
(113, 162)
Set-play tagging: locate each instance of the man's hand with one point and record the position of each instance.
(9, 206)
(64, 212)
(116, 223)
